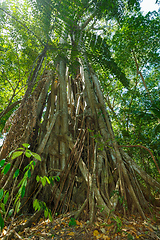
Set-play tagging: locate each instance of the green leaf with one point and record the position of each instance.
(43, 180)
(26, 145)
(17, 198)
(57, 178)
(37, 178)
(47, 180)
(16, 173)
(18, 204)
(50, 215)
(36, 205)
(10, 212)
(23, 191)
(6, 168)
(10, 153)
(1, 193)
(16, 154)
(2, 206)
(46, 213)
(26, 167)
(2, 162)
(43, 204)
(32, 165)
(156, 112)
(72, 222)
(20, 149)
(28, 153)
(89, 130)
(25, 179)
(102, 209)
(29, 173)
(52, 183)
(1, 222)
(6, 198)
(35, 155)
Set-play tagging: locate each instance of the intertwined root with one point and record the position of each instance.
(66, 122)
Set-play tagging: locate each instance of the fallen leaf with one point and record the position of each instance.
(109, 221)
(79, 223)
(95, 233)
(4, 232)
(71, 234)
(106, 237)
(150, 229)
(103, 230)
(110, 227)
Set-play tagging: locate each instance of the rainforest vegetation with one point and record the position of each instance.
(79, 112)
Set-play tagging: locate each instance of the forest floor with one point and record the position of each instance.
(64, 227)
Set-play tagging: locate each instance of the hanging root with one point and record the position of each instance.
(72, 132)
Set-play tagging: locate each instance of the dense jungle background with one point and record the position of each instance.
(79, 120)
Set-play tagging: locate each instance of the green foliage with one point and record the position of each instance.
(36, 156)
(19, 49)
(114, 8)
(10, 213)
(130, 237)
(1, 193)
(2, 162)
(26, 145)
(98, 139)
(99, 54)
(118, 223)
(6, 198)
(131, 35)
(1, 222)
(16, 154)
(38, 205)
(6, 168)
(16, 173)
(101, 208)
(4, 195)
(72, 222)
(125, 36)
(29, 26)
(134, 112)
(45, 179)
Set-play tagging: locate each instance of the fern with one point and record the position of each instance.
(99, 53)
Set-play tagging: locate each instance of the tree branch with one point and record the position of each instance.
(139, 72)
(127, 146)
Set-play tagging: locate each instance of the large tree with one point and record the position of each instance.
(63, 116)
(140, 105)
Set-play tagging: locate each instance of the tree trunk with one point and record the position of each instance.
(66, 122)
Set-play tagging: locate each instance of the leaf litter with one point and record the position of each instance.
(65, 227)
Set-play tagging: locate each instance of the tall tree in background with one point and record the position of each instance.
(62, 114)
(140, 106)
